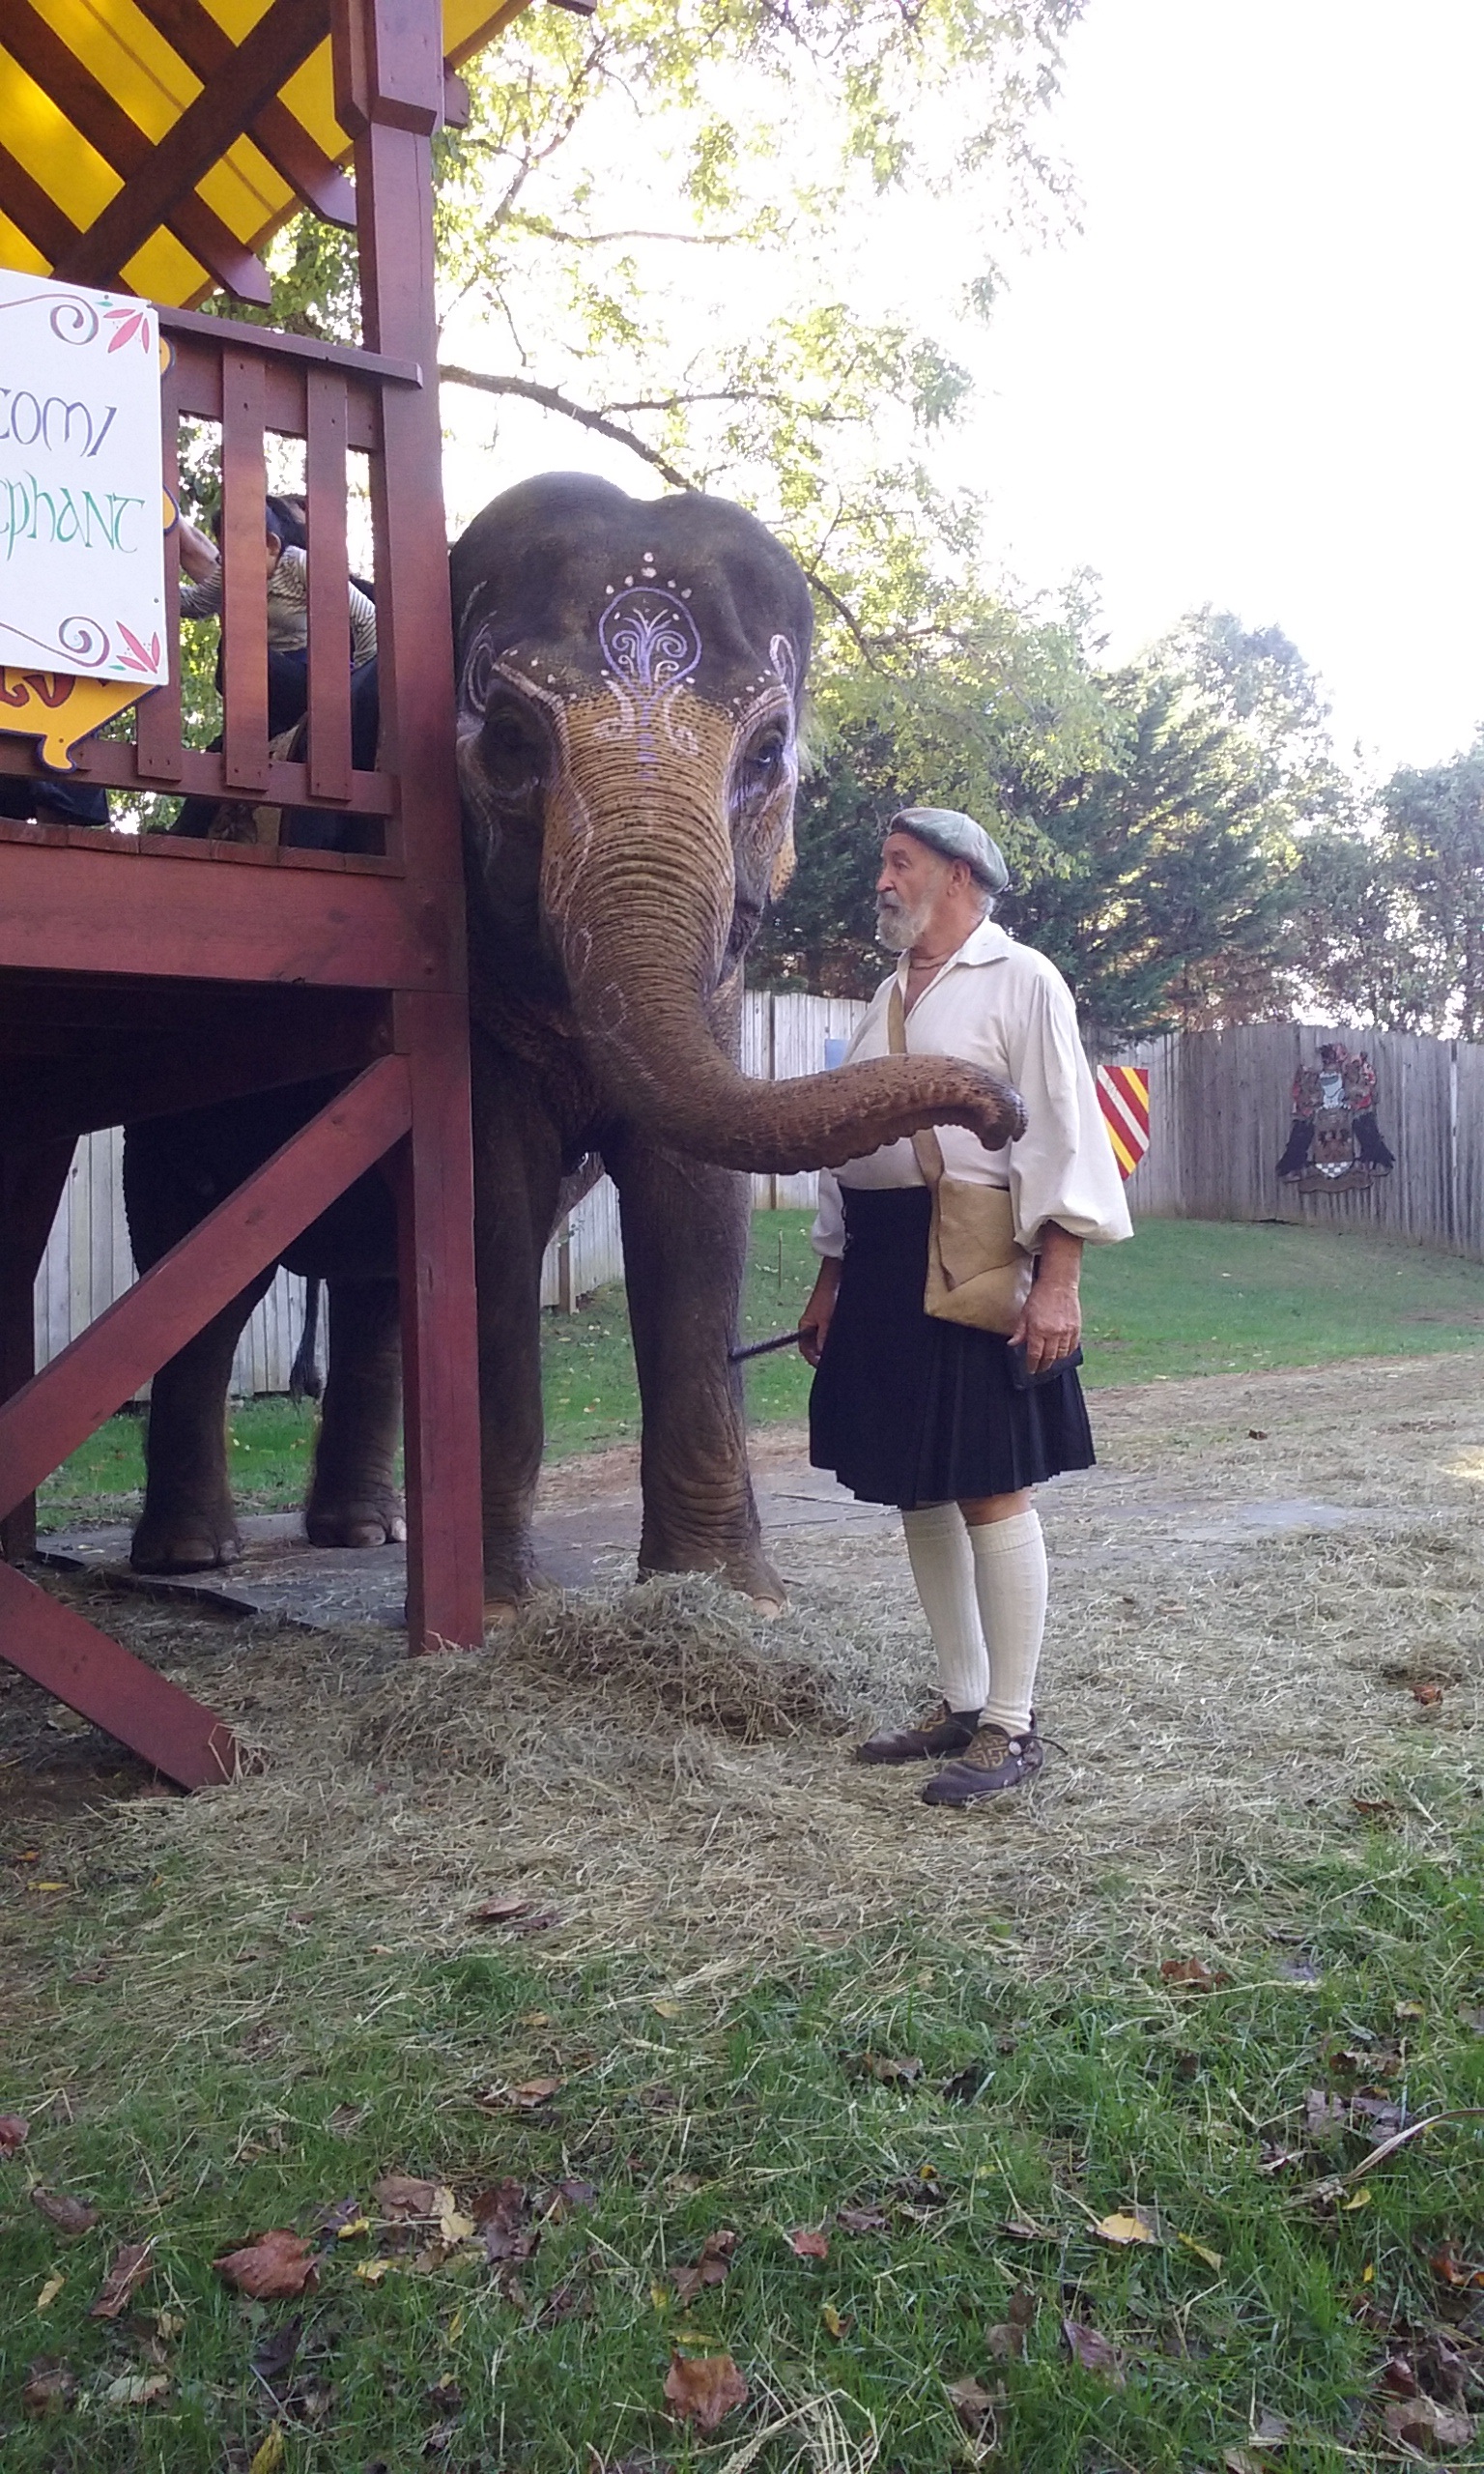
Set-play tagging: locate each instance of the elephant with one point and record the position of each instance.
(629, 678)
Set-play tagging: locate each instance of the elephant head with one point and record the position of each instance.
(630, 678)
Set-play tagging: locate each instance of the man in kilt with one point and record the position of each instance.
(950, 1422)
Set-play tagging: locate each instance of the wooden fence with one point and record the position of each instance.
(88, 1263)
(1221, 1108)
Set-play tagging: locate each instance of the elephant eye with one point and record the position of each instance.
(762, 765)
(512, 754)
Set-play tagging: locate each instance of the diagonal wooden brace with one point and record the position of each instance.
(70, 1659)
(60, 1407)
(107, 1362)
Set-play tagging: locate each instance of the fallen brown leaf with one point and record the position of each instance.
(862, 2220)
(499, 1910)
(1447, 2262)
(1427, 1694)
(14, 2134)
(1020, 2230)
(703, 2389)
(1193, 1976)
(404, 2198)
(270, 2267)
(808, 2244)
(1270, 2430)
(502, 2219)
(135, 2388)
(533, 2092)
(710, 2268)
(70, 2217)
(899, 2073)
(568, 2199)
(1431, 2429)
(131, 2264)
(50, 2387)
(1322, 2112)
(1005, 2338)
(1273, 2159)
(972, 2403)
(1257, 1434)
(1092, 2350)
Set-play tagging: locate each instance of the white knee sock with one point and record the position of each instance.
(943, 1569)
(1009, 1582)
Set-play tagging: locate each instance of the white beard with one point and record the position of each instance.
(898, 928)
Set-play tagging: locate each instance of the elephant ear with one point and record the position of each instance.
(785, 864)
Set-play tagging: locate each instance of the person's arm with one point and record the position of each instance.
(1051, 1324)
(201, 560)
(820, 1310)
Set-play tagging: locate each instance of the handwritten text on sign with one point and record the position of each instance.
(82, 587)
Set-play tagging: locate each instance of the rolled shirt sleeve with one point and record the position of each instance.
(1063, 1167)
(828, 1233)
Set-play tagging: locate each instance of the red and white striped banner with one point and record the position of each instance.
(1122, 1093)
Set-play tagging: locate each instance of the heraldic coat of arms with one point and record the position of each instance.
(1335, 1144)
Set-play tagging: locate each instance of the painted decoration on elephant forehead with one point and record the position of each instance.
(651, 645)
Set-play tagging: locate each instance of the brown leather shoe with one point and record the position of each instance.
(992, 1761)
(939, 1732)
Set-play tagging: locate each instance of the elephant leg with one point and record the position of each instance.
(685, 1228)
(354, 1499)
(517, 1185)
(188, 1524)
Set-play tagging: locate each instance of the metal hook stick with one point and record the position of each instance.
(765, 1348)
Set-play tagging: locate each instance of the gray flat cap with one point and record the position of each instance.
(956, 837)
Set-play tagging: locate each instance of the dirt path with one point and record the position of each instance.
(1245, 1592)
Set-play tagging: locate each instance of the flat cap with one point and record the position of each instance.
(954, 836)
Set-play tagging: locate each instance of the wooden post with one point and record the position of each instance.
(390, 94)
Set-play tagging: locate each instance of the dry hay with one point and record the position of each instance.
(665, 1769)
(685, 1647)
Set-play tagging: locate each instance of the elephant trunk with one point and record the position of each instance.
(638, 884)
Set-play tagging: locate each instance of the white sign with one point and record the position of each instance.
(82, 582)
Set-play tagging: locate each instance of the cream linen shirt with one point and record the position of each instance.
(1005, 1007)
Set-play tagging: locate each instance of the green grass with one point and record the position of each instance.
(1187, 1297)
(273, 2067)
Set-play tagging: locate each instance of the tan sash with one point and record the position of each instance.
(976, 1272)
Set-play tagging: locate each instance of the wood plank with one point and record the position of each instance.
(70, 1659)
(439, 1336)
(157, 748)
(113, 763)
(329, 576)
(162, 186)
(245, 579)
(178, 916)
(208, 53)
(123, 145)
(233, 334)
(32, 211)
(60, 1408)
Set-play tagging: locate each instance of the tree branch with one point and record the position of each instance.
(552, 400)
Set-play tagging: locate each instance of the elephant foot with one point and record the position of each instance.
(748, 1572)
(373, 1518)
(186, 1542)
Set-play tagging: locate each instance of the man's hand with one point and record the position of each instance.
(820, 1310)
(1051, 1324)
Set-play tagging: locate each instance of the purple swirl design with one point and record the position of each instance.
(71, 321)
(79, 640)
(649, 640)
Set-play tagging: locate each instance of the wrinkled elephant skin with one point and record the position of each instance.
(630, 678)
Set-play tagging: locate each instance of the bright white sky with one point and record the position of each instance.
(1255, 379)
(1252, 378)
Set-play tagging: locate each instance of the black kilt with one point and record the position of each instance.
(909, 1410)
